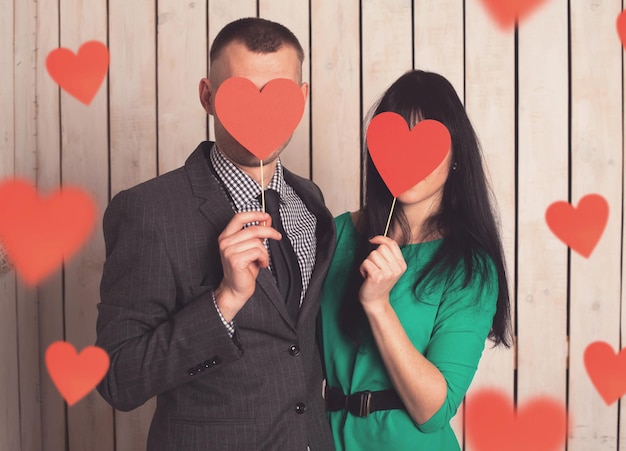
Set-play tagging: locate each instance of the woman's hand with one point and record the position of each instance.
(381, 270)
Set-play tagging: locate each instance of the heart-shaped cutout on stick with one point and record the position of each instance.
(38, 234)
(405, 157)
(79, 74)
(261, 121)
(75, 375)
(492, 424)
(607, 370)
(579, 227)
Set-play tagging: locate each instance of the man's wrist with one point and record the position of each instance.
(229, 325)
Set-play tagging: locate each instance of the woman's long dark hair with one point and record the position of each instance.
(466, 218)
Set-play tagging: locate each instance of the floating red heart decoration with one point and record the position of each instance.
(579, 227)
(82, 74)
(38, 234)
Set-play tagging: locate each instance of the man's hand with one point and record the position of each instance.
(243, 254)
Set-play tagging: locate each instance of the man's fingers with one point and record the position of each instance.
(233, 253)
(241, 219)
(259, 233)
(247, 257)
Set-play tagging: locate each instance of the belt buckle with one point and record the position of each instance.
(364, 399)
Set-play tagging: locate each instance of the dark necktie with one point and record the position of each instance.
(284, 260)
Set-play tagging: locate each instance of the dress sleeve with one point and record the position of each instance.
(461, 327)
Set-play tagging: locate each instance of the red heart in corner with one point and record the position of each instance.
(579, 227)
(261, 121)
(492, 424)
(75, 375)
(405, 157)
(508, 12)
(79, 74)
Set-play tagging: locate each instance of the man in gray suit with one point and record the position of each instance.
(190, 310)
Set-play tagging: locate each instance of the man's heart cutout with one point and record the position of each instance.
(261, 121)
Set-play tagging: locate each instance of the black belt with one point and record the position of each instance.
(362, 403)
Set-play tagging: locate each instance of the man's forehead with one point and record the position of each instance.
(237, 60)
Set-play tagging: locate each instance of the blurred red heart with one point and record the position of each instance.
(261, 121)
(607, 370)
(405, 157)
(492, 424)
(38, 234)
(579, 227)
(621, 27)
(75, 375)
(508, 12)
(82, 74)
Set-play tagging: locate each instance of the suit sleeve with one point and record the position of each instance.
(153, 345)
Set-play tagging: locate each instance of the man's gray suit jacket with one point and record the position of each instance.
(260, 390)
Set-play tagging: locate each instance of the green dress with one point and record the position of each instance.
(448, 324)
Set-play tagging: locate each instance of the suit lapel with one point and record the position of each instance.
(214, 204)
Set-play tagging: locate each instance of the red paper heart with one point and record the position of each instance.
(492, 424)
(79, 75)
(405, 157)
(39, 233)
(581, 227)
(75, 375)
(606, 370)
(507, 12)
(621, 27)
(260, 121)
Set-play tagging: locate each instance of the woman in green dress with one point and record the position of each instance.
(404, 318)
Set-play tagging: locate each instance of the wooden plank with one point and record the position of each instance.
(295, 16)
(490, 102)
(437, 25)
(84, 142)
(222, 12)
(50, 291)
(385, 56)
(622, 404)
(133, 152)
(25, 116)
(9, 378)
(543, 179)
(335, 102)
(596, 89)
(182, 56)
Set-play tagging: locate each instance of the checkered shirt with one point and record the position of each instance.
(298, 221)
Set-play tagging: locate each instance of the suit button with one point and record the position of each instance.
(216, 360)
(294, 350)
(208, 364)
(191, 371)
(300, 408)
(199, 368)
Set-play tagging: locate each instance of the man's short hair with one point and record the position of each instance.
(258, 35)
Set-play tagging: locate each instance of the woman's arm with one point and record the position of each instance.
(420, 385)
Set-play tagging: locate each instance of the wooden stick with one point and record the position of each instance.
(262, 188)
(390, 213)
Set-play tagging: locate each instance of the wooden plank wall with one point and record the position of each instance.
(546, 100)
